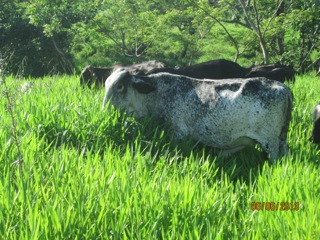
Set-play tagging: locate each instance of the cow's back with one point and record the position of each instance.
(214, 69)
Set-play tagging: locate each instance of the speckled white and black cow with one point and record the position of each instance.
(227, 115)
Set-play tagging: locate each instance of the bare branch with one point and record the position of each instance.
(224, 28)
(248, 19)
(69, 64)
(273, 17)
(121, 45)
(311, 48)
(258, 30)
(246, 25)
(256, 15)
(312, 65)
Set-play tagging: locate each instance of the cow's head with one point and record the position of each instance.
(87, 75)
(128, 92)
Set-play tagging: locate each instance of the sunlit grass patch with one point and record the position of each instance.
(98, 174)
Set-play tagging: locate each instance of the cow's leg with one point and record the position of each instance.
(236, 146)
(283, 148)
(227, 153)
(273, 147)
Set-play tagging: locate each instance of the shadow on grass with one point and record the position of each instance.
(148, 138)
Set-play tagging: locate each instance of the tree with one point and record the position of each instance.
(272, 22)
(131, 31)
(56, 18)
(31, 53)
(256, 16)
(57, 36)
(303, 22)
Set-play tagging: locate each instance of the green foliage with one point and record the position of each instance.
(98, 174)
(45, 36)
(24, 46)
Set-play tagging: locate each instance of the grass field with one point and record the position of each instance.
(71, 171)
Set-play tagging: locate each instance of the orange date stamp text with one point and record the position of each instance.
(275, 206)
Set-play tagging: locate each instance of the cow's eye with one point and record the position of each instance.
(120, 87)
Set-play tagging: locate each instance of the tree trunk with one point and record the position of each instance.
(280, 38)
(264, 50)
(68, 65)
(183, 53)
(262, 42)
(235, 43)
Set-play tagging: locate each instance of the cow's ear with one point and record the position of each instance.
(142, 86)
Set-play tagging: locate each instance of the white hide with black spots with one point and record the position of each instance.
(228, 114)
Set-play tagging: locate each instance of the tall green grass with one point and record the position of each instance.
(97, 175)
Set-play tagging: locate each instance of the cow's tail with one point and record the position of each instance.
(284, 132)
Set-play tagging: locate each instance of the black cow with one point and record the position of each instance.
(266, 67)
(139, 68)
(275, 71)
(94, 75)
(97, 75)
(315, 134)
(214, 69)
